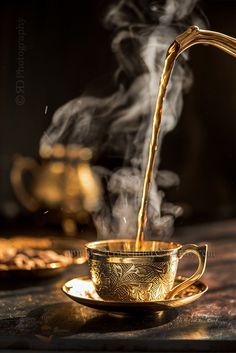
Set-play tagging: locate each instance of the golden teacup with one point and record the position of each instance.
(120, 273)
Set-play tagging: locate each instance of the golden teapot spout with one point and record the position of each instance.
(194, 35)
(20, 166)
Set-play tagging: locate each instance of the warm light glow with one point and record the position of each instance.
(69, 226)
(58, 151)
(57, 168)
(83, 288)
(85, 154)
(90, 187)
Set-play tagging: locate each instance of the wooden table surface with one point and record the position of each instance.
(38, 316)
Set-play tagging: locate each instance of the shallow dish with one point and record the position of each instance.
(82, 291)
(67, 253)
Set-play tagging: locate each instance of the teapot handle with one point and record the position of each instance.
(22, 164)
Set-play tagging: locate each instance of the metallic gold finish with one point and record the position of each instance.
(122, 274)
(82, 291)
(192, 36)
(63, 181)
(72, 249)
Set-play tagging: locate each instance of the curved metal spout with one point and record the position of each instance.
(194, 35)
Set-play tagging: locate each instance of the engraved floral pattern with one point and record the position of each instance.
(133, 282)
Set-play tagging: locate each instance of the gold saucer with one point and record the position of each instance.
(82, 291)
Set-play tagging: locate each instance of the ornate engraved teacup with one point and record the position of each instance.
(120, 273)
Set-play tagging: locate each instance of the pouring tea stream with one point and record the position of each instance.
(140, 270)
(193, 35)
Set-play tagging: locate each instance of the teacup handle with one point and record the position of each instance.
(201, 253)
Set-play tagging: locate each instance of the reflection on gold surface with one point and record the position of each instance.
(64, 181)
(82, 290)
(90, 189)
(26, 254)
(57, 168)
(144, 275)
(58, 151)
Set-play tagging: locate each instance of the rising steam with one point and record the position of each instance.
(120, 124)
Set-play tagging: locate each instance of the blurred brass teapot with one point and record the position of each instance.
(62, 181)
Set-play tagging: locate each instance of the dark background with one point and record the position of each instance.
(68, 53)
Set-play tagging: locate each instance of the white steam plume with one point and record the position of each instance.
(120, 124)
